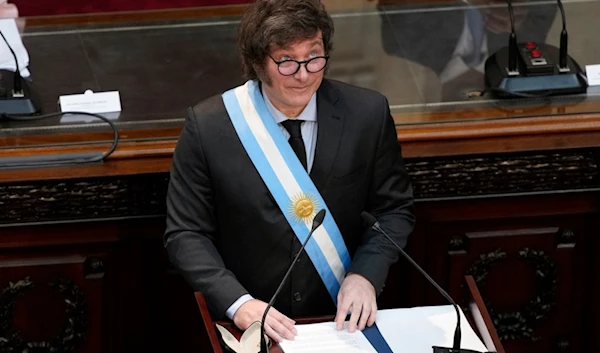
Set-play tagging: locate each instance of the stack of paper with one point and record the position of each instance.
(7, 61)
(413, 330)
(324, 337)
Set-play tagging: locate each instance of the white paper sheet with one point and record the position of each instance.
(323, 337)
(412, 330)
(416, 330)
(10, 31)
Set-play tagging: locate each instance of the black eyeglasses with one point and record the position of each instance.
(289, 67)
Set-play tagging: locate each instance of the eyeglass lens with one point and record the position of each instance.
(290, 67)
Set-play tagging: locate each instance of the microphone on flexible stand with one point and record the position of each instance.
(374, 224)
(563, 59)
(317, 221)
(17, 90)
(533, 69)
(513, 49)
(20, 101)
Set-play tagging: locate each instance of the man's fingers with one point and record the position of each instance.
(356, 310)
(272, 334)
(340, 317)
(280, 329)
(290, 325)
(373, 315)
(286, 321)
(364, 316)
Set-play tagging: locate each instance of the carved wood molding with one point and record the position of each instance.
(126, 196)
(71, 335)
(520, 324)
(502, 174)
(144, 194)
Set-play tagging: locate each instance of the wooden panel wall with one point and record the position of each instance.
(532, 249)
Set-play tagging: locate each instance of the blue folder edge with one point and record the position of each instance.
(376, 339)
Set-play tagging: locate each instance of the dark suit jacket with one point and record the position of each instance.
(228, 237)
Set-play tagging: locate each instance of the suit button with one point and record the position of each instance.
(297, 297)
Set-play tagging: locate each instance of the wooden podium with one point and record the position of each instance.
(476, 313)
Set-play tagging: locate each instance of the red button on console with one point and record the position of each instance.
(530, 45)
(536, 53)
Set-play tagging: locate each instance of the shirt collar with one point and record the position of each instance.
(308, 114)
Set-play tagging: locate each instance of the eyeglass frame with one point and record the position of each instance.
(300, 63)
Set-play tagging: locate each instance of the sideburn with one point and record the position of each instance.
(262, 75)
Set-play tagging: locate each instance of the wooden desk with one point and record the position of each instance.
(501, 187)
(476, 313)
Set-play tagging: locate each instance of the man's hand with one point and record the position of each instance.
(8, 10)
(356, 294)
(277, 325)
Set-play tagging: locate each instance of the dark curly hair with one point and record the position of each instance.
(270, 24)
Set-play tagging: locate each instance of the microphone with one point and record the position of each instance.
(17, 90)
(317, 221)
(374, 224)
(513, 49)
(563, 50)
(20, 102)
(533, 69)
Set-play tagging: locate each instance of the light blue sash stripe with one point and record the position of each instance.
(298, 171)
(268, 175)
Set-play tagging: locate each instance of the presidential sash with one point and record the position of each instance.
(288, 182)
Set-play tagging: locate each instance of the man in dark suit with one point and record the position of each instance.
(240, 201)
(455, 42)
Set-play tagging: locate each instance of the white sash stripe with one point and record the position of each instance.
(285, 176)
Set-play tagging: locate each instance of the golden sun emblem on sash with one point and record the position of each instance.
(302, 207)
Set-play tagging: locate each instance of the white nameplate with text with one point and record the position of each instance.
(90, 102)
(593, 74)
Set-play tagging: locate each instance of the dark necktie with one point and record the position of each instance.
(293, 127)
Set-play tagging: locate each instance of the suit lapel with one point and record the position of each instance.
(330, 125)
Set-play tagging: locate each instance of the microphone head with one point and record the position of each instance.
(368, 218)
(319, 218)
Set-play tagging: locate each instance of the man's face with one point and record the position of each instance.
(290, 94)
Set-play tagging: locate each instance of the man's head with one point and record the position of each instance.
(273, 32)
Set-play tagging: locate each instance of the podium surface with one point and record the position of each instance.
(476, 315)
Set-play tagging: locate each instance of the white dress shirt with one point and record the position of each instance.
(308, 127)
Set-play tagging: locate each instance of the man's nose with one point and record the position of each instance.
(302, 73)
